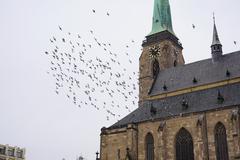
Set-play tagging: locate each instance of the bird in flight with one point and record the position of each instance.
(108, 14)
(235, 42)
(193, 26)
(94, 11)
(60, 28)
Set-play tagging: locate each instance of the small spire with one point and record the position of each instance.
(214, 17)
(215, 33)
(216, 46)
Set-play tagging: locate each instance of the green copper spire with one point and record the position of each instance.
(162, 19)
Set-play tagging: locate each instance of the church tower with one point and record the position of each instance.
(161, 48)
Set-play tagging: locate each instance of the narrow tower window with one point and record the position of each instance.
(149, 147)
(221, 142)
(175, 63)
(155, 68)
(184, 145)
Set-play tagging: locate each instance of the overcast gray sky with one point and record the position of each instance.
(50, 126)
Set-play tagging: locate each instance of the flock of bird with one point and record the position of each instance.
(90, 73)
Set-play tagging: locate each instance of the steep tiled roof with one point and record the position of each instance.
(204, 72)
(173, 106)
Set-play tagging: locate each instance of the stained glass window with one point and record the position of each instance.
(221, 142)
(149, 147)
(184, 145)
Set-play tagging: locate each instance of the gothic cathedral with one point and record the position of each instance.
(186, 111)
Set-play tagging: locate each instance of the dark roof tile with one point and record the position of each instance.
(172, 106)
(204, 72)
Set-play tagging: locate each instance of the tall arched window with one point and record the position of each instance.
(149, 147)
(175, 63)
(221, 142)
(155, 68)
(184, 145)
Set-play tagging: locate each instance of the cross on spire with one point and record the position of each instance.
(214, 17)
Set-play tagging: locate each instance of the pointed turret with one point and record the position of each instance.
(216, 46)
(162, 19)
(215, 40)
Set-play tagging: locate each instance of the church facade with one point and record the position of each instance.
(186, 111)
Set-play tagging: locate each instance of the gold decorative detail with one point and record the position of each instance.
(154, 52)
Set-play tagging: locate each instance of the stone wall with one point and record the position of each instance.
(169, 52)
(116, 142)
(200, 126)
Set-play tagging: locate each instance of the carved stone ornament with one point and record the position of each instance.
(234, 114)
(161, 126)
(154, 52)
(176, 53)
(200, 120)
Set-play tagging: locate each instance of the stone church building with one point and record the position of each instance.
(186, 111)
